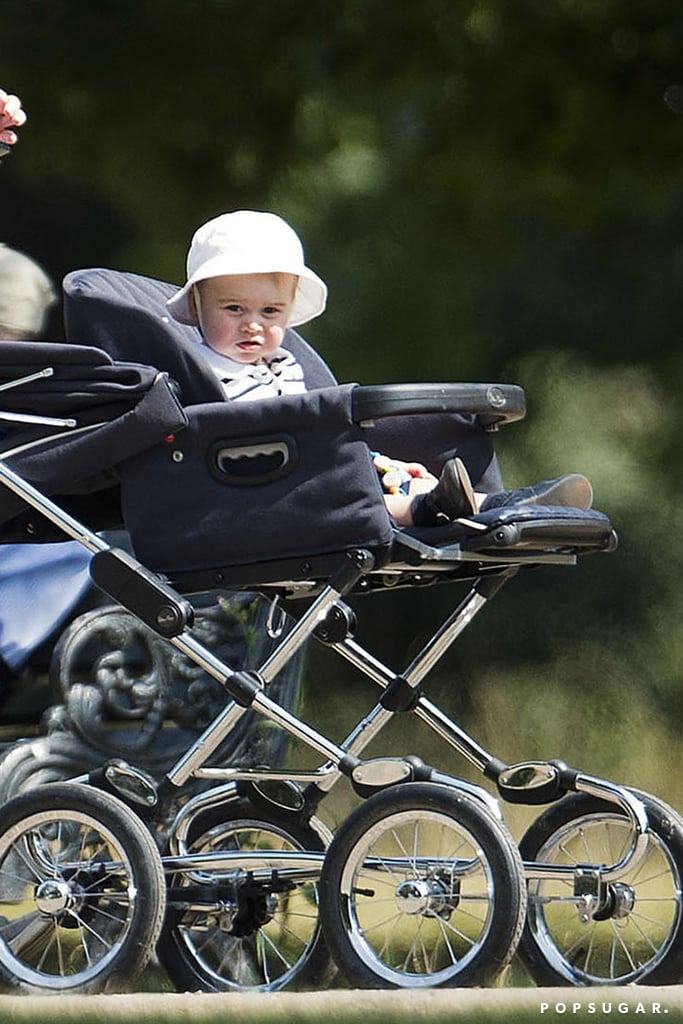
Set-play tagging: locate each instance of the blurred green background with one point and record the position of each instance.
(493, 190)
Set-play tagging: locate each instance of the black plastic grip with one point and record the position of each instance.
(492, 403)
(142, 592)
(251, 462)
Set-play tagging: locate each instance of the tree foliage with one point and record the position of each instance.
(488, 176)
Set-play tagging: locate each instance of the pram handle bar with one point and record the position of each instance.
(492, 403)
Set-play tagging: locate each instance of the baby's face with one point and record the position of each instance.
(244, 316)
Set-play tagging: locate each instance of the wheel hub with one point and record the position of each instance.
(422, 896)
(256, 909)
(54, 896)
(619, 902)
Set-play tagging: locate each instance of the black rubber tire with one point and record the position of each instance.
(272, 957)
(630, 947)
(440, 930)
(67, 923)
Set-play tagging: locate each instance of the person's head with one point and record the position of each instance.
(26, 294)
(244, 316)
(246, 273)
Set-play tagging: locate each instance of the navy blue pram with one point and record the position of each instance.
(422, 884)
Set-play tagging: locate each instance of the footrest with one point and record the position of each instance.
(523, 529)
(540, 526)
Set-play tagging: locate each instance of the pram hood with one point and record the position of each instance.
(90, 414)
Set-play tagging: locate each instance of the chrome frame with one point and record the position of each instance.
(192, 763)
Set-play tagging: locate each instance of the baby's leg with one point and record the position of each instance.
(399, 505)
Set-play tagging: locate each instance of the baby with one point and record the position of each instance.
(247, 282)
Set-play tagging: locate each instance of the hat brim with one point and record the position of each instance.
(310, 297)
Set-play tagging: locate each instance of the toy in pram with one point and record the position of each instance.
(422, 885)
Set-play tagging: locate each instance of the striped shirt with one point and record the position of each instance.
(248, 382)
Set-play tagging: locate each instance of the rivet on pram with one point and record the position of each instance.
(496, 397)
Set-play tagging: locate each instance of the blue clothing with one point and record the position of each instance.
(39, 586)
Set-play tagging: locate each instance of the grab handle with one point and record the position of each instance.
(245, 462)
(493, 404)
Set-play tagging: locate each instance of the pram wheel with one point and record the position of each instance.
(82, 892)
(634, 935)
(244, 936)
(422, 887)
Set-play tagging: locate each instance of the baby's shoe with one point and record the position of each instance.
(452, 498)
(572, 490)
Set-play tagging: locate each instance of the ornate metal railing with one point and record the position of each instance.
(119, 690)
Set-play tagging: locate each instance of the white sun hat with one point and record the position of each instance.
(249, 242)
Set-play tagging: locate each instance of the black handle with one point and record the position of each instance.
(494, 404)
(251, 462)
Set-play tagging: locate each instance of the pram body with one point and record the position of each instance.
(284, 501)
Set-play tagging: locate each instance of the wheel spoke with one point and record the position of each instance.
(634, 931)
(278, 929)
(413, 895)
(91, 875)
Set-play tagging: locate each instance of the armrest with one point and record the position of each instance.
(492, 403)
